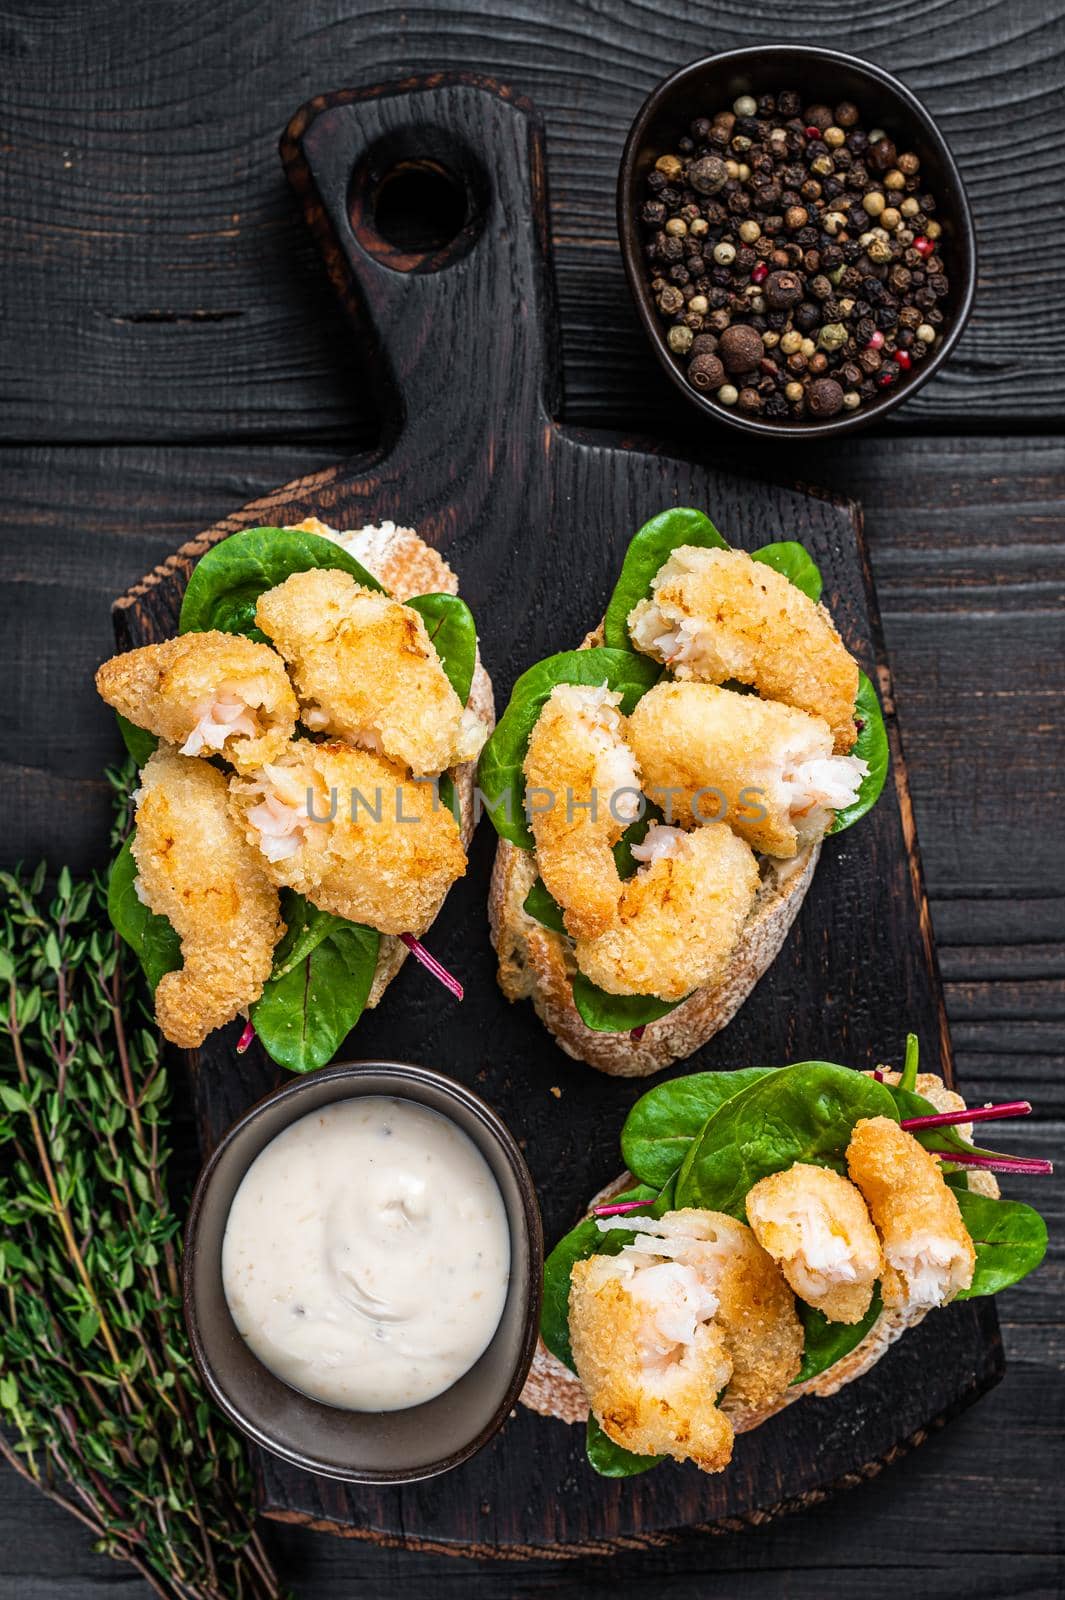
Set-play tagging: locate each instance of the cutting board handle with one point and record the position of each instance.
(465, 287)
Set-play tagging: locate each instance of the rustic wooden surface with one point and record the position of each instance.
(166, 297)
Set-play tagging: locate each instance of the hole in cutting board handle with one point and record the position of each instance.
(417, 200)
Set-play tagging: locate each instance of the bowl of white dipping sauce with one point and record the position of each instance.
(363, 1267)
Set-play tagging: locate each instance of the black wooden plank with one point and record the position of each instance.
(165, 287)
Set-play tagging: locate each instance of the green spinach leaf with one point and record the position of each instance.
(871, 747)
(226, 582)
(826, 1342)
(450, 625)
(800, 1113)
(582, 1241)
(141, 744)
(663, 1123)
(609, 1459)
(1010, 1240)
(541, 904)
(500, 775)
(323, 971)
(649, 550)
(617, 1013)
(791, 560)
(150, 936)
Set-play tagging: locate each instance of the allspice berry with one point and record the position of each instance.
(882, 155)
(705, 372)
(708, 175)
(824, 398)
(740, 348)
(783, 290)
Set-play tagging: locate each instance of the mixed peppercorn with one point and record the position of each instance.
(794, 258)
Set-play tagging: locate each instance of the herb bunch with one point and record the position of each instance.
(101, 1405)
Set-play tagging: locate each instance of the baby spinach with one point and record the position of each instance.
(649, 550)
(871, 747)
(663, 1123)
(323, 970)
(825, 1343)
(1010, 1240)
(580, 1242)
(226, 583)
(616, 1013)
(541, 904)
(138, 741)
(150, 936)
(791, 560)
(450, 625)
(610, 1460)
(800, 1113)
(500, 775)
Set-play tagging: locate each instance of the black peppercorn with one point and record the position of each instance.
(882, 155)
(788, 103)
(807, 316)
(708, 174)
(846, 114)
(782, 289)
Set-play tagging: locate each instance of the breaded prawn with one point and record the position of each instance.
(761, 766)
(207, 693)
(927, 1247)
(353, 833)
(717, 614)
(651, 1357)
(367, 672)
(755, 1308)
(677, 920)
(582, 791)
(815, 1224)
(196, 869)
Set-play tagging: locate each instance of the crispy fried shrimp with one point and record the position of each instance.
(761, 766)
(755, 1308)
(196, 869)
(209, 693)
(353, 833)
(366, 671)
(583, 791)
(927, 1248)
(716, 614)
(815, 1224)
(393, 555)
(648, 1349)
(932, 1088)
(677, 921)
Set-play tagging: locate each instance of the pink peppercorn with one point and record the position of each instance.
(923, 245)
(904, 359)
(875, 341)
(759, 273)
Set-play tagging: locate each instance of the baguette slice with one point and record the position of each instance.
(554, 1391)
(407, 566)
(536, 964)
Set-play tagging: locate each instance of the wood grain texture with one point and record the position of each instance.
(548, 513)
(166, 289)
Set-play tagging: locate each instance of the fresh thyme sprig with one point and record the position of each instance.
(101, 1404)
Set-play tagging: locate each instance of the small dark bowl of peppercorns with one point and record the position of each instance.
(796, 237)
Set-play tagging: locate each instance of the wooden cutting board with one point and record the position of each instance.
(461, 338)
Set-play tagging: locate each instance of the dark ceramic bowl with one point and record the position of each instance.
(359, 1446)
(823, 76)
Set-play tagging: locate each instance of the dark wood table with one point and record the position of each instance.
(171, 348)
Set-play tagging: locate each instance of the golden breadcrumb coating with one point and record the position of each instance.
(651, 1360)
(932, 1088)
(815, 1224)
(582, 792)
(677, 921)
(373, 846)
(395, 556)
(708, 754)
(927, 1248)
(717, 614)
(196, 869)
(366, 670)
(207, 693)
(755, 1311)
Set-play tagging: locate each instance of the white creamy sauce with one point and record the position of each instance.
(367, 1254)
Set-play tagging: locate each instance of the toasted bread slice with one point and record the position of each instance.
(407, 566)
(536, 964)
